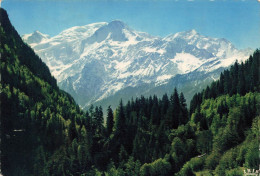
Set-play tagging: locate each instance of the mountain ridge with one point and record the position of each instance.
(111, 56)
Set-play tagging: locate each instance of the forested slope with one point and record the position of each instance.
(36, 116)
(219, 137)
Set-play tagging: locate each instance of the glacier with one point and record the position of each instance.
(98, 61)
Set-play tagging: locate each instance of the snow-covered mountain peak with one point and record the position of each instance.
(185, 35)
(83, 30)
(76, 32)
(35, 37)
(115, 31)
(117, 24)
(95, 61)
(39, 33)
(189, 35)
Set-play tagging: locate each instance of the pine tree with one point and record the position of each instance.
(120, 118)
(155, 116)
(207, 93)
(175, 109)
(221, 84)
(241, 87)
(213, 90)
(165, 104)
(227, 81)
(255, 70)
(123, 156)
(110, 120)
(98, 119)
(184, 111)
(234, 78)
(88, 122)
(91, 111)
(72, 130)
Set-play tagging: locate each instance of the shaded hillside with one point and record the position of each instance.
(35, 113)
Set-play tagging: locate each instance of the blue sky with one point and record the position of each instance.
(236, 20)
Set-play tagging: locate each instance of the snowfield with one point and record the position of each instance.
(95, 61)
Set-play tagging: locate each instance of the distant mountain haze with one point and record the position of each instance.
(108, 61)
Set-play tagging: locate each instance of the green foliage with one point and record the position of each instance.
(195, 164)
(227, 161)
(115, 172)
(252, 157)
(234, 172)
(186, 170)
(212, 160)
(204, 141)
(158, 167)
(132, 168)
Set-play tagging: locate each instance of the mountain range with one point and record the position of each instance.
(103, 62)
